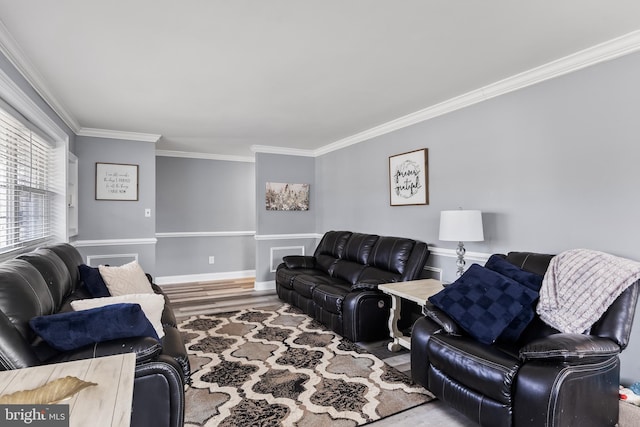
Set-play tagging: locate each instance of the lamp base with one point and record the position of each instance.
(460, 261)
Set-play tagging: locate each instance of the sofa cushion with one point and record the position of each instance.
(372, 273)
(93, 281)
(23, 295)
(54, 272)
(125, 279)
(487, 369)
(152, 306)
(348, 271)
(359, 247)
(330, 297)
(75, 329)
(305, 283)
(391, 253)
(500, 265)
(530, 261)
(333, 244)
(484, 302)
(326, 263)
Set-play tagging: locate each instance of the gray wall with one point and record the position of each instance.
(117, 220)
(552, 166)
(284, 169)
(200, 196)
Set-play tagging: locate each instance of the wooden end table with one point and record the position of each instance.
(107, 404)
(417, 291)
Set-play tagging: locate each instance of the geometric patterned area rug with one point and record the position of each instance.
(282, 368)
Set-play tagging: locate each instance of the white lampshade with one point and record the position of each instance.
(461, 226)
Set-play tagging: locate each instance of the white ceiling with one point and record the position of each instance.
(217, 76)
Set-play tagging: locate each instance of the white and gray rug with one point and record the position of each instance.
(279, 367)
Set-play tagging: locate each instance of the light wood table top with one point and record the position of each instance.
(106, 404)
(417, 291)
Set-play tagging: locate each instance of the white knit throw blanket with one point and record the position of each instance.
(580, 285)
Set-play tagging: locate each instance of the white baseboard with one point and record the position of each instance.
(206, 277)
(265, 286)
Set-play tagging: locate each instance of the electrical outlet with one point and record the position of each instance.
(211, 259)
(147, 213)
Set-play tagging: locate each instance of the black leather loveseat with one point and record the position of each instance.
(338, 284)
(544, 378)
(44, 282)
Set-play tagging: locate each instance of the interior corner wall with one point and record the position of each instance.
(276, 231)
(204, 208)
(552, 167)
(117, 231)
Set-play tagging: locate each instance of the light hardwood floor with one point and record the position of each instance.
(218, 297)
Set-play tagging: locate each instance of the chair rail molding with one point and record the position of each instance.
(468, 256)
(288, 236)
(204, 234)
(114, 242)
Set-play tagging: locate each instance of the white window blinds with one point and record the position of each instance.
(25, 193)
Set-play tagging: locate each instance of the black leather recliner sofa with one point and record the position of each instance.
(338, 284)
(44, 282)
(546, 378)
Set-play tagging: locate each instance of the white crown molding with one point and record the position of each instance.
(14, 53)
(21, 102)
(282, 150)
(114, 242)
(451, 253)
(206, 156)
(288, 236)
(118, 134)
(602, 52)
(205, 277)
(205, 234)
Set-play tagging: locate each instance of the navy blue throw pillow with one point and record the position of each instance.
(500, 265)
(93, 281)
(75, 329)
(483, 302)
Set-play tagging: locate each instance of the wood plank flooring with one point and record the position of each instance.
(196, 298)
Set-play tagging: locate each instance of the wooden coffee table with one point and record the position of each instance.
(417, 291)
(108, 404)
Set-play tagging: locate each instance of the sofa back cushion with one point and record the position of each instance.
(614, 324)
(348, 271)
(54, 272)
(23, 295)
(391, 254)
(333, 244)
(72, 259)
(359, 247)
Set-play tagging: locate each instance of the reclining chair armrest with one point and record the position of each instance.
(367, 285)
(158, 394)
(145, 348)
(441, 318)
(299, 261)
(568, 347)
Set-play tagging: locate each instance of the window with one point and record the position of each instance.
(26, 193)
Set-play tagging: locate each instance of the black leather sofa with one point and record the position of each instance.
(338, 284)
(44, 282)
(545, 378)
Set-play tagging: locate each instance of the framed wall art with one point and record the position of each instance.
(116, 181)
(287, 197)
(409, 178)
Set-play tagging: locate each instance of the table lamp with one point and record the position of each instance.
(458, 226)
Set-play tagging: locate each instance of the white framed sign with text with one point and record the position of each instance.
(116, 181)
